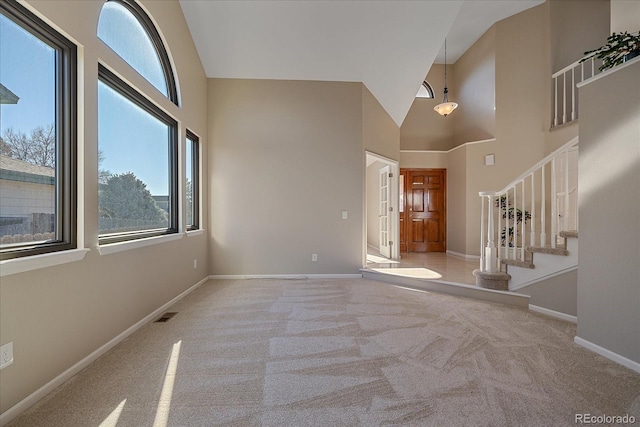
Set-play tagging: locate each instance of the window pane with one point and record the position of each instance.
(425, 91)
(134, 166)
(192, 181)
(123, 33)
(189, 184)
(28, 137)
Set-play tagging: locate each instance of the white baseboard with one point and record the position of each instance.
(553, 313)
(633, 365)
(465, 256)
(283, 276)
(34, 397)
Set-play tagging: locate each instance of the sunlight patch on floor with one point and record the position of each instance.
(162, 414)
(112, 419)
(419, 273)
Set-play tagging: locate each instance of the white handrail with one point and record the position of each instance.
(538, 165)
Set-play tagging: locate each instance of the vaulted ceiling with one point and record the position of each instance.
(387, 45)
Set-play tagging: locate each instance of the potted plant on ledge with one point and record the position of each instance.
(508, 214)
(620, 48)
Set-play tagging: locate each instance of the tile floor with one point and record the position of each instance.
(432, 265)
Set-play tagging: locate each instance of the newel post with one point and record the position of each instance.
(490, 254)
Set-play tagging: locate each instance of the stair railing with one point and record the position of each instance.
(565, 103)
(506, 215)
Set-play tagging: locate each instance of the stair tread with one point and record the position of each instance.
(569, 233)
(547, 250)
(518, 263)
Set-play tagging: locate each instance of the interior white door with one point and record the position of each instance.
(385, 197)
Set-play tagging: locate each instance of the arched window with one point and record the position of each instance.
(127, 29)
(137, 140)
(425, 90)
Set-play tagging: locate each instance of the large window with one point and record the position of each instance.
(37, 136)
(192, 175)
(137, 155)
(137, 140)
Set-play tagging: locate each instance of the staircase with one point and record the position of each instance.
(543, 262)
(529, 228)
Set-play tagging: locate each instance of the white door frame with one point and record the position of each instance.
(394, 218)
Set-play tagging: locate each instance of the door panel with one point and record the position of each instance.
(417, 204)
(383, 214)
(403, 213)
(425, 197)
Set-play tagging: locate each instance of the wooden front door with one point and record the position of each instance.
(424, 211)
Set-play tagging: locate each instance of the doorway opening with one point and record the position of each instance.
(381, 208)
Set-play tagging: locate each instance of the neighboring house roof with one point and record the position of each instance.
(6, 96)
(19, 170)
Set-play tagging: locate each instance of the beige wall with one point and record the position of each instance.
(577, 26)
(625, 16)
(380, 134)
(457, 200)
(424, 159)
(609, 212)
(474, 91)
(287, 157)
(523, 76)
(59, 315)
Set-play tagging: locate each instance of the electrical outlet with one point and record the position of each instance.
(195, 263)
(6, 355)
(314, 257)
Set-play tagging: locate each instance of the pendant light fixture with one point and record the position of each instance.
(445, 107)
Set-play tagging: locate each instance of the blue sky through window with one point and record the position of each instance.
(27, 70)
(131, 140)
(123, 33)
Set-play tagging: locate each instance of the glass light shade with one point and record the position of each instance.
(445, 108)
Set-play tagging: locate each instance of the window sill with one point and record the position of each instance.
(35, 262)
(193, 233)
(135, 244)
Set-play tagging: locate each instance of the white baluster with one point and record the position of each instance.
(482, 234)
(554, 204)
(555, 104)
(500, 245)
(515, 222)
(490, 250)
(532, 239)
(573, 94)
(522, 225)
(564, 98)
(543, 213)
(506, 225)
(565, 224)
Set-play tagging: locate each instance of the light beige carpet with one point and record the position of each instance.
(341, 353)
